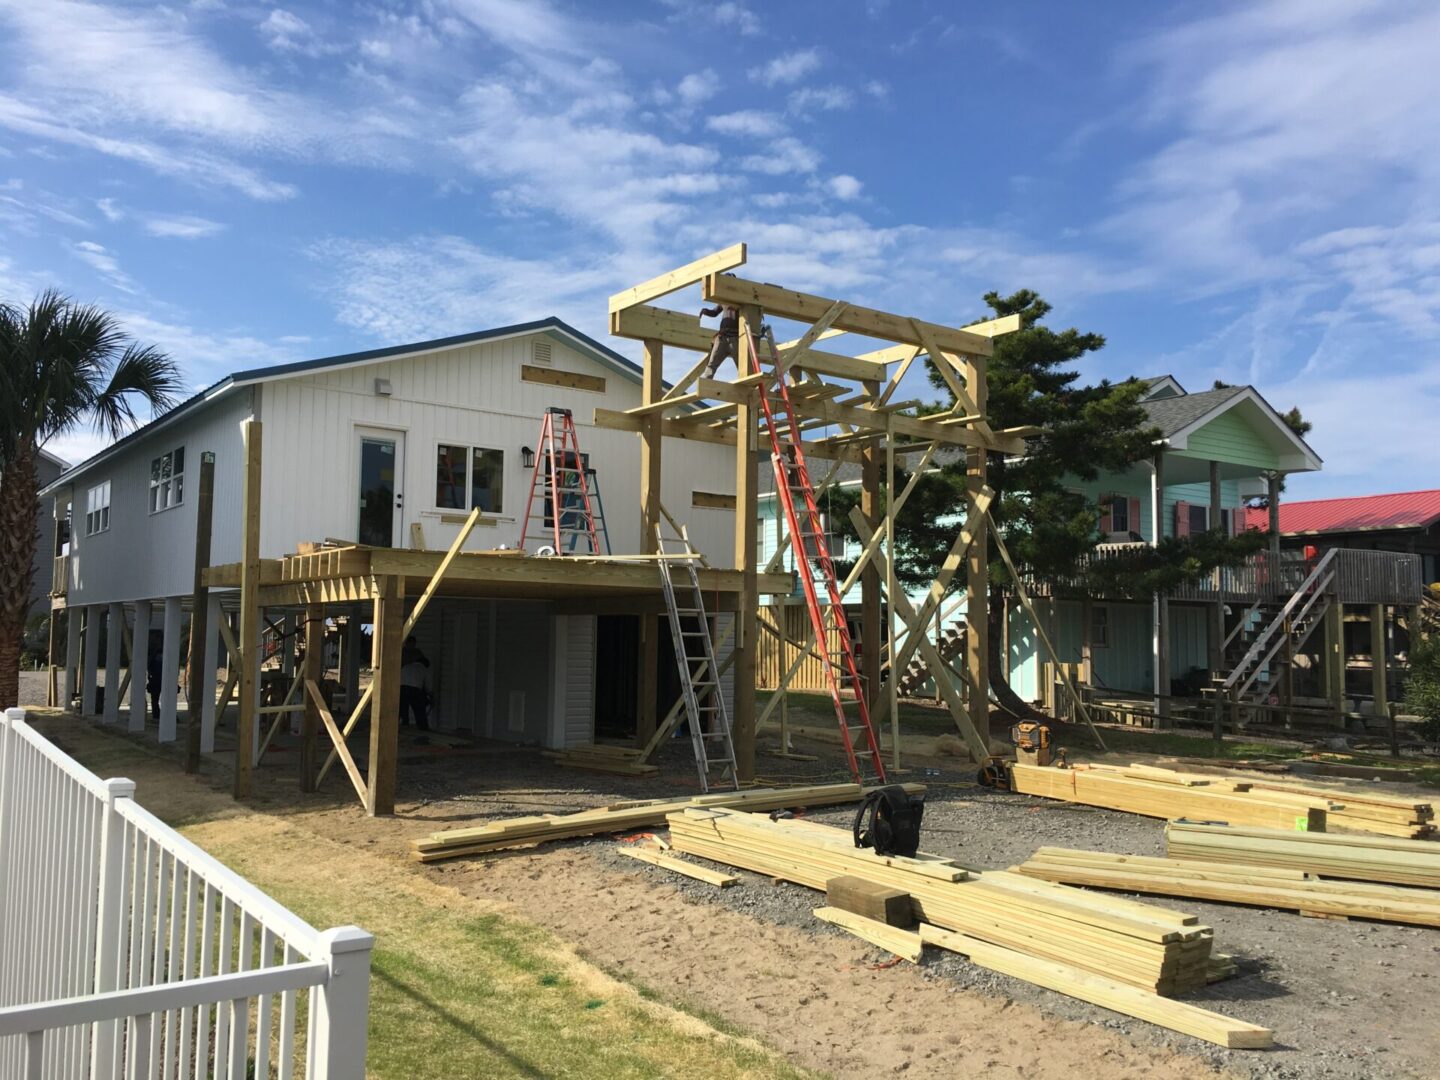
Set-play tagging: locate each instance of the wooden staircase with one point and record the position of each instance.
(917, 672)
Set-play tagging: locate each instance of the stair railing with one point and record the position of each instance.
(1268, 642)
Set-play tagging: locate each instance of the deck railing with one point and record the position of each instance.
(1362, 577)
(125, 950)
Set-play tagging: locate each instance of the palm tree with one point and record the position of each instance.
(61, 364)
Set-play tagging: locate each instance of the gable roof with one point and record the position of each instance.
(1161, 386)
(1356, 513)
(551, 326)
(1174, 414)
(1181, 416)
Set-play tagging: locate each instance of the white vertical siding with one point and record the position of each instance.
(574, 721)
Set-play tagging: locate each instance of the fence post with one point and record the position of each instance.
(110, 921)
(8, 748)
(341, 1008)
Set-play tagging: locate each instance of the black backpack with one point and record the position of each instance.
(894, 827)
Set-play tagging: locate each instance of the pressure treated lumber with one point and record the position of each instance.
(1235, 883)
(680, 866)
(869, 899)
(1141, 944)
(621, 817)
(1106, 992)
(1096, 787)
(905, 944)
(1332, 855)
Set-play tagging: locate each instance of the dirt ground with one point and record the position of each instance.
(1345, 999)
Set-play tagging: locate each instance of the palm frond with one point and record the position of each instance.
(141, 372)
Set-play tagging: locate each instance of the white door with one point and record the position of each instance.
(380, 509)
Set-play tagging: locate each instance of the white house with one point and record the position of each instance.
(367, 447)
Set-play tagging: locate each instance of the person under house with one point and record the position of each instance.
(414, 699)
(723, 345)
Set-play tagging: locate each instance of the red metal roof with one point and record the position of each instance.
(1402, 510)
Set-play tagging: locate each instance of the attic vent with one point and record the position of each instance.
(540, 353)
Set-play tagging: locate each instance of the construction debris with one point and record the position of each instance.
(1356, 858)
(905, 944)
(1163, 797)
(1236, 883)
(680, 866)
(597, 757)
(622, 817)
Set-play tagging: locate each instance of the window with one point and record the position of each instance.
(97, 509)
(467, 477)
(1199, 518)
(1099, 627)
(167, 480)
(1119, 514)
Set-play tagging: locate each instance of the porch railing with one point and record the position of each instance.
(125, 950)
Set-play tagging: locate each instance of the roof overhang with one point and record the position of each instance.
(1294, 453)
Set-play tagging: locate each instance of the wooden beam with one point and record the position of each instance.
(352, 770)
(679, 866)
(803, 307)
(389, 624)
(252, 433)
(199, 609)
(663, 404)
(698, 431)
(313, 673)
(747, 458)
(715, 263)
(652, 444)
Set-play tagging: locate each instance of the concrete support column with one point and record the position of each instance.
(211, 661)
(73, 616)
(170, 668)
(89, 679)
(139, 666)
(114, 638)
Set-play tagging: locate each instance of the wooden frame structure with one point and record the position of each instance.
(845, 399)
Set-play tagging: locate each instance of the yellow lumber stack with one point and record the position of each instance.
(1136, 794)
(1235, 883)
(620, 817)
(1357, 858)
(1145, 946)
(622, 760)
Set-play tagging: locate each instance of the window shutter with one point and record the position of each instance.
(1182, 518)
(1234, 516)
(1135, 517)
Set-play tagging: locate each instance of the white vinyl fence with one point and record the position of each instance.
(126, 951)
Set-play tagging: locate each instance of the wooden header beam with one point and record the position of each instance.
(689, 274)
(804, 307)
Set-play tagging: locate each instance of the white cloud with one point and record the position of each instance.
(737, 15)
(787, 68)
(105, 264)
(752, 123)
(111, 209)
(786, 156)
(877, 89)
(284, 31)
(811, 98)
(182, 226)
(844, 187)
(698, 87)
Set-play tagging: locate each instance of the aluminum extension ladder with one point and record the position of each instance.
(566, 509)
(695, 660)
(812, 553)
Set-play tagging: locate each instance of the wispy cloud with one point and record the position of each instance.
(104, 263)
(752, 123)
(787, 68)
(817, 98)
(182, 226)
(786, 156)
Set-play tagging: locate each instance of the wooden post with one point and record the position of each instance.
(1160, 607)
(114, 636)
(389, 627)
(1215, 633)
(72, 654)
(209, 662)
(870, 632)
(1272, 493)
(89, 679)
(1087, 641)
(314, 672)
(891, 585)
(1335, 659)
(52, 661)
(977, 566)
(200, 614)
(747, 615)
(252, 435)
(139, 666)
(1380, 674)
(652, 444)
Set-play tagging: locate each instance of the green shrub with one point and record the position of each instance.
(1422, 686)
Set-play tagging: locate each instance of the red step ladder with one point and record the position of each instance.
(561, 487)
(807, 538)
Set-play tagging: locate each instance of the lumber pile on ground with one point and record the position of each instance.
(1351, 809)
(598, 757)
(1146, 946)
(1331, 855)
(1133, 791)
(622, 817)
(1236, 883)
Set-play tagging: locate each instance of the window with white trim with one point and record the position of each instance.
(1119, 514)
(467, 477)
(97, 509)
(1099, 627)
(167, 480)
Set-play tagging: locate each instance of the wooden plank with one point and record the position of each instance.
(199, 606)
(1359, 858)
(680, 866)
(351, 769)
(417, 536)
(663, 404)
(251, 434)
(712, 500)
(390, 632)
(803, 307)
(312, 673)
(903, 943)
(571, 380)
(1105, 992)
(672, 280)
(870, 899)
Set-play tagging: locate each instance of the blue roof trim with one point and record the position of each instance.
(552, 326)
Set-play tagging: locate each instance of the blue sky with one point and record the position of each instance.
(1245, 192)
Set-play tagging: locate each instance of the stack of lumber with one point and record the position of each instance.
(1356, 858)
(1345, 808)
(1135, 791)
(597, 757)
(1236, 883)
(1149, 947)
(622, 817)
